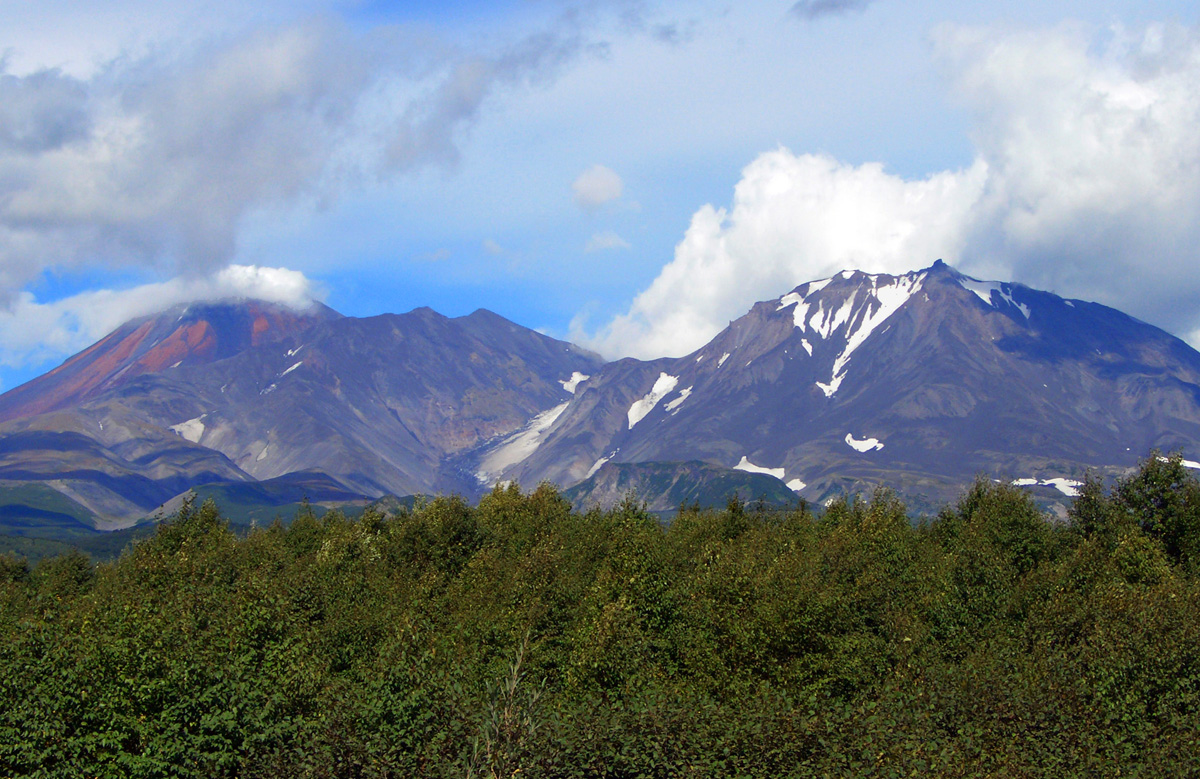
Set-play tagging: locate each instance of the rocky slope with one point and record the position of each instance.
(919, 381)
(383, 405)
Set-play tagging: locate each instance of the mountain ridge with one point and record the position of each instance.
(919, 380)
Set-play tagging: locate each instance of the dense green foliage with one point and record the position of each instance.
(520, 638)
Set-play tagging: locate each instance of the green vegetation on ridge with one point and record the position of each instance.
(521, 638)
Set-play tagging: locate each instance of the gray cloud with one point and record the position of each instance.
(815, 9)
(432, 125)
(159, 160)
(40, 112)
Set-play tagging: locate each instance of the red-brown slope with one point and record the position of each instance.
(184, 335)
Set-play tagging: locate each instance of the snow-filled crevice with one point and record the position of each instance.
(640, 408)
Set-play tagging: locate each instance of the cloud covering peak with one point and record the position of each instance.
(33, 332)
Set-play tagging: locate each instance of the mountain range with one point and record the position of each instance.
(921, 382)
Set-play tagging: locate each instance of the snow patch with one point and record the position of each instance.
(800, 313)
(263, 454)
(570, 384)
(177, 364)
(289, 370)
(814, 287)
(683, 395)
(824, 323)
(832, 387)
(701, 357)
(190, 430)
(596, 465)
(882, 302)
(863, 445)
(721, 361)
(1184, 463)
(519, 445)
(749, 467)
(662, 386)
(986, 290)
(795, 485)
(268, 390)
(807, 346)
(292, 352)
(1068, 487)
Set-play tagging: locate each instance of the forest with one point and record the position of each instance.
(520, 638)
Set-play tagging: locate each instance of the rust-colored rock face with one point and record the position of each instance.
(195, 340)
(181, 336)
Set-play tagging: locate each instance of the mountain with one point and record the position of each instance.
(196, 334)
(919, 381)
(245, 391)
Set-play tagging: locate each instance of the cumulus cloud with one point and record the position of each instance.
(157, 161)
(1094, 183)
(606, 240)
(596, 186)
(1086, 182)
(814, 9)
(794, 218)
(32, 332)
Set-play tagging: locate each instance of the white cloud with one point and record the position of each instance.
(596, 186)
(1086, 181)
(794, 218)
(33, 332)
(1094, 187)
(606, 240)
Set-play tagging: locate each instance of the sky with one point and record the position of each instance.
(627, 175)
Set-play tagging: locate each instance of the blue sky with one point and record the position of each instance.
(628, 175)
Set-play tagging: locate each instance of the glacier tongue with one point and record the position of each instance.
(519, 445)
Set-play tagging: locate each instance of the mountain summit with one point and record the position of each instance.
(194, 334)
(918, 381)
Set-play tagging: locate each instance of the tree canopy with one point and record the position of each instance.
(521, 638)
